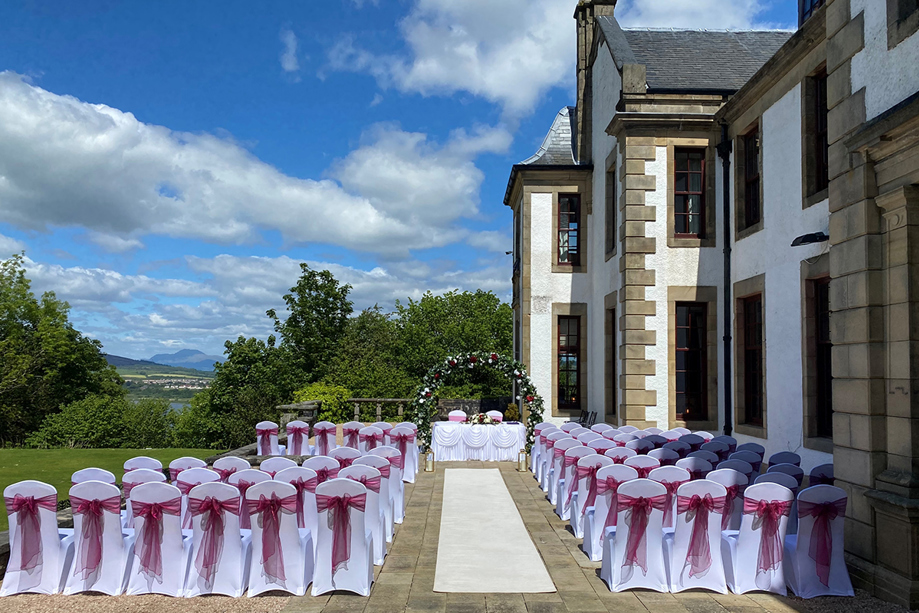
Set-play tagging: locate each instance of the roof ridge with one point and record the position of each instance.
(719, 30)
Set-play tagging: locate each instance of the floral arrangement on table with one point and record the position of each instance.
(424, 405)
(480, 419)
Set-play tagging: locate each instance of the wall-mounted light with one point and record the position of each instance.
(809, 239)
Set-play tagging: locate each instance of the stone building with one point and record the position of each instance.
(799, 152)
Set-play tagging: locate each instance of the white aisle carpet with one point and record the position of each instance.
(484, 546)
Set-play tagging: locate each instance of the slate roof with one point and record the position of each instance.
(558, 147)
(693, 60)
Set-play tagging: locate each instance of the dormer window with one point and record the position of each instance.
(806, 8)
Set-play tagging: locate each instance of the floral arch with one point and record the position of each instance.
(423, 405)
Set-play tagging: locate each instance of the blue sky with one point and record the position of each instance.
(166, 166)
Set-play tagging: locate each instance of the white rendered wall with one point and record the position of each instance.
(768, 251)
(889, 76)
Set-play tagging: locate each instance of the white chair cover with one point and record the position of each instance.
(750, 457)
(536, 451)
(789, 469)
(709, 456)
(408, 449)
(546, 481)
(734, 482)
(814, 560)
(386, 427)
(740, 466)
(644, 464)
(672, 435)
(600, 521)
(576, 432)
(601, 428)
(706, 436)
(386, 500)
(142, 461)
(353, 571)
(601, 445)
(753, 556)
(585, 493)
(619, 454)
(692, 552)
(792, 484)
(682, 449)
(266, 437)
(653, 430)
(370, 437)
(92, 474)
(753, 447)
(132, 479)
(298, 437)
(228, 465)
(566, 452)
(697, 467)
(186, 481)
(543, 442)
(624, 438)
(180, 464)
(633, 557)
(34, 569)
(671, 477)
(586, 437)
(396, 481)
(785, 457)
(242, 481)
(374, 521)
(305, 481)
(325, 435)
(730, 441)
(627, 429)
(821, 475)
(345, 456)
(100, 548)
(667, 457)
(220, 553)
(273, 466)
(497, 416)
(161, 553)
(718, 447)
(456, 416)
(682, 431)
(282, 554)
(413, 447)
(351, 434)
(569, 426)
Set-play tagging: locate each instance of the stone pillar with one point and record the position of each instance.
(634, 396)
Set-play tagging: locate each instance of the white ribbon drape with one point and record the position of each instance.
(454, 442)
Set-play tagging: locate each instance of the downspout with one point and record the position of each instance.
(724, 152)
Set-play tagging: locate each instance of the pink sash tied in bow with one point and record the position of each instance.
(351, 435)
(609, 484)
(557, 453)
(90, 548)
(345, 462)
(127, 487)
(371, 440)
(302, 486)
(185, 487)
(618, 459)
(402, 441)
(225, 473)
(644, 471)
(264, 439)
(589, 473)
(28, 524)
(269, 512)
(324, 474)
(339, 521)
(174, 473)
(322, 441)
(636, 547)
(767, 515)
(697, 509)
(620, 443)
(295, 437)
(150, 544)
(733, 492)
(243, 486)
(395, 462)
(695, 475)
(672, 487)
(372, 484)
(820, 548)
(212, 528)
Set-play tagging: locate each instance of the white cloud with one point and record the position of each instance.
(113, 243)
(360, 3)
(710, 14)
(118, 177)
(377, 99)
(9, 246)
(289, 61)
(499, 242)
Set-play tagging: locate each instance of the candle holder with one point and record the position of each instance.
(429, 462)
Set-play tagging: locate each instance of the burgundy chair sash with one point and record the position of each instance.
(264, 439)
(589, 473)
(402, 441)
(644, 471)
(243, 486)
(395, 462)
(295, 437)
(174, 473)
(28, 525)
(302, 486)
(339, 521)
(618, 459)
(185, 486)
(269, 511)
(225, 474)
(557, 452)
(351, 436)
(150, 544)
(820, 548)
(697, 508)
(733, 492)
(640, 508)
(212, 528)
(371, 440)
(345, 462)
(89, 555)
(767, 515)
(672, 487)
(372, 484)
(127, 487)
(697, 474)
(610, 485)
(324, 474)
(322, 442)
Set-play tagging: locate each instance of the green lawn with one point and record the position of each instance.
(55, 466)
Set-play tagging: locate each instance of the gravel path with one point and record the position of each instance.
(34, 603)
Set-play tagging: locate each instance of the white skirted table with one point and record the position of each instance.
(457, 442)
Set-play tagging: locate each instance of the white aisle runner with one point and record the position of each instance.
(484, 546)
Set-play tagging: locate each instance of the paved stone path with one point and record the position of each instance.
(406, 581)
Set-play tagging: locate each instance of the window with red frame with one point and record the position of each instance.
(569, 354)
(569, 225)
(753, 360)
(689, 193)
(691, 361)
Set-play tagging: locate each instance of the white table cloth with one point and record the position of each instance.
(453, 442)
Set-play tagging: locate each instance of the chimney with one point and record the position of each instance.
(584, 15)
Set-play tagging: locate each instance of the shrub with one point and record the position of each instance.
(334, 398)
(148, 423)
(512, 413)
(196, 427)
(94, 422)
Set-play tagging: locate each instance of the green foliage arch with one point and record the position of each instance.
(424, 403)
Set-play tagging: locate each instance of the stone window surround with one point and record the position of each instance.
(610, 382)
(740, 231)
(811, 270)
(612, 203)
(708, 295)
(808, 162)
(899, 29)
(710, 208)
(563, 309)
(583, 224)
(745, 289)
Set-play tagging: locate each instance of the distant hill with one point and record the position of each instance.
(121, 362)
(187, 358)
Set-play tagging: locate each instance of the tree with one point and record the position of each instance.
(44, 362)
(317, 315)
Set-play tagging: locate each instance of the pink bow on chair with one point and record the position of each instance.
(820, 548)
(90, 554)
(225, 473)
(28, 525)
(372, 484)
(212, 528)
(351, 436)
(696, 508)
(150, 544)
(589, 473)
(402, 441)
(733, 492)
(644, 471)
(371, 440)
(303, 485)
(767, 515)
(322, 442)
(324, 474)
(672, 487)
(269, 511)
(609, 484)
(636, 547)
(339, 521)
(243, 486)
(174, 473)
(395, 462)
(295, 437)
(264, 439)
(618, 459)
